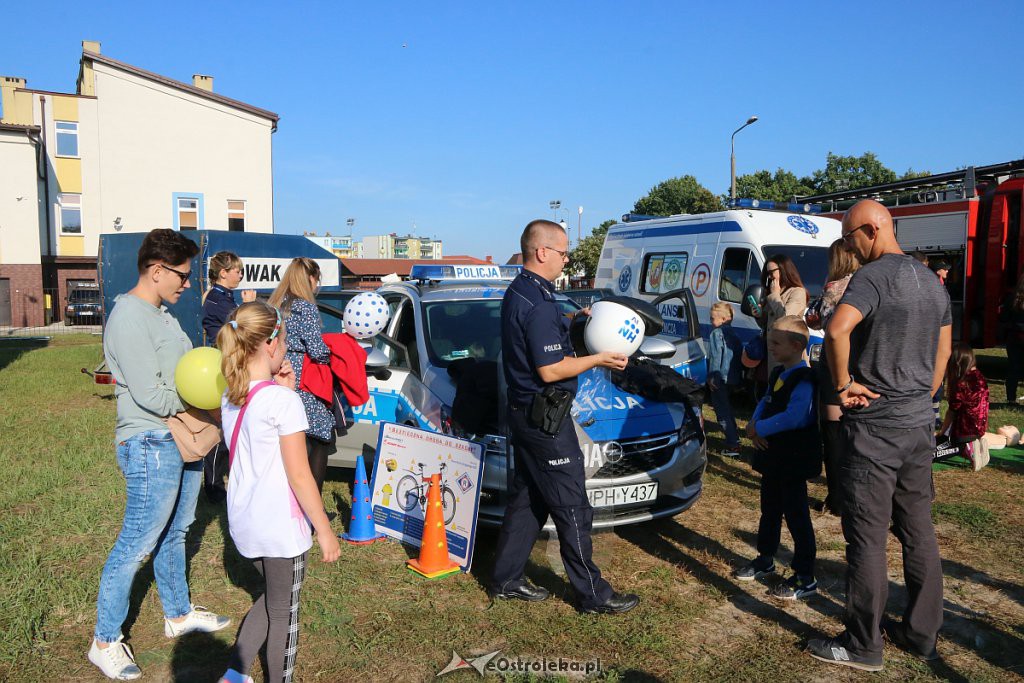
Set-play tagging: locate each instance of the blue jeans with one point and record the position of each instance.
(161, 504)
(723, 414)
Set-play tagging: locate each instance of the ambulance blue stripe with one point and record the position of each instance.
(673, 230)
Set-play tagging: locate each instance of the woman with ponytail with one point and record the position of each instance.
(295, 297)
(272, 496)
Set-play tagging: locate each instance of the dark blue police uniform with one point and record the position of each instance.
(217, 307)
(549, 472)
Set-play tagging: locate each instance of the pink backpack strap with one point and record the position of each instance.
(241, 414)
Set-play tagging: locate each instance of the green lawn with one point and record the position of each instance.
(367, 618)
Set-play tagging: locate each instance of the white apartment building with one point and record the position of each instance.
(129, 150)
(394, 245)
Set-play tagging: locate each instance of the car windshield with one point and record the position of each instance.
(84, 296)
(463, 329)
(811, 263)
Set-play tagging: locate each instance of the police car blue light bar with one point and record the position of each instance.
(448, 271)
(769, 204)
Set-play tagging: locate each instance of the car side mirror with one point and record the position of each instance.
(376, 360)
(751, 304)
(655, 347)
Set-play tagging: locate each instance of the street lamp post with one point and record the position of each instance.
(556, 206)
(579, 227)
(732, 174)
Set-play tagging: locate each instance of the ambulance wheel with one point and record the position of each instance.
(408, 495)
(447, 504)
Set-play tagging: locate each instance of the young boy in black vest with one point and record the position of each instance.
(784, 429)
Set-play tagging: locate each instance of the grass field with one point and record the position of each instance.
(367, 619)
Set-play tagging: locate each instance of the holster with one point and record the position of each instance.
(549, 408)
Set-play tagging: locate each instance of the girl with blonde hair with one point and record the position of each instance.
(842, 264)
(296, 298)
(272, 496)
(225, 274)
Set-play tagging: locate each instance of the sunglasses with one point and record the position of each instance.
(848, 237)
(184, 276)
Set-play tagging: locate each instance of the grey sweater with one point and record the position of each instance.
(142, 345)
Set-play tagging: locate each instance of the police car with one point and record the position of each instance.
(643, 459)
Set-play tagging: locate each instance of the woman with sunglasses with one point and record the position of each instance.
(295, 297)
(142, 343)
(784, 292)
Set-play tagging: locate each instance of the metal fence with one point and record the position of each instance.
(51, 315)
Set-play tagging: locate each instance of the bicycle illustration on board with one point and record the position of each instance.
(412, 490)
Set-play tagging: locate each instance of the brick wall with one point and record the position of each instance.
(27, 300)
(70, 272)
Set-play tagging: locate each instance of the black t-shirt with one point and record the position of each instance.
(534, 333)
(892, 351)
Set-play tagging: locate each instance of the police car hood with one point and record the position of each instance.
(606, 413)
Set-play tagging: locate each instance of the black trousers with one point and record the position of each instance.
(832, 449)
(549, 479)
(786, 497)
(318, 451)
(886, 474)
(215, 466)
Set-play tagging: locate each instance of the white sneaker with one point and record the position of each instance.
(115, 661)
(199, 619)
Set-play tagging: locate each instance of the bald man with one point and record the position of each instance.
(887, 346)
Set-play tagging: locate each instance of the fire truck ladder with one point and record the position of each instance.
(959, 184)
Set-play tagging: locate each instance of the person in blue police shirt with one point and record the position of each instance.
(549, 475)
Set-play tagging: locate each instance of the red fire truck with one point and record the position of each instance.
(970, 218)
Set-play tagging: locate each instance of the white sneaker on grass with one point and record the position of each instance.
(115, 661)
(199, 619)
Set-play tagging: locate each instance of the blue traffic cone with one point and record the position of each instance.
(361, 530)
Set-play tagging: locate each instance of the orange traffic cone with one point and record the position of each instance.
(433, 562)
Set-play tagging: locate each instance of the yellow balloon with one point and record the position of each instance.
(198, 378)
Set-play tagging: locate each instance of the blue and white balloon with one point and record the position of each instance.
(366, 315)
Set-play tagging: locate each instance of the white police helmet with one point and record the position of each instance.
(613, 327)
(366, 315)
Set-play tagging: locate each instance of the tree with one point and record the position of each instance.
(584, 258)
(781, 187)
(848, 173)
(677, 195)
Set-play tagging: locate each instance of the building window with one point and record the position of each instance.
(70, 213)
(236, 215)
(188, 213)
(67, 138)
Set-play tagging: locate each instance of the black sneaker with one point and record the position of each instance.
(755, 570)
(894, 633)
(795, 587)
(834, 652)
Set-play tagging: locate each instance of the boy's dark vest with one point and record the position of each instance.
(796, 452)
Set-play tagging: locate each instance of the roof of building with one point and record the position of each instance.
(15, 128)
(399, 266)
(164, 80)
(515, 259)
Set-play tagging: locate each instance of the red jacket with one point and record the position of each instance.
(348, 365)
(969, 399)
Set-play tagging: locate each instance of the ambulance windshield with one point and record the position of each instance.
(463, 329)
(810, 262)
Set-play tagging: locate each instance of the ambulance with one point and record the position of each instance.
(715, 257)
(644, 459)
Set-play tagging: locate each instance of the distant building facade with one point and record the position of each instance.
(131, 151)
(343, 246)
(401, 246)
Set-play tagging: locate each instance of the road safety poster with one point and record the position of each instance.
(406, 456)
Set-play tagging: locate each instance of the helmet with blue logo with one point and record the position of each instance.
(614, 328)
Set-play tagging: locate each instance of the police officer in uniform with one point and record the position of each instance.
(541, 372)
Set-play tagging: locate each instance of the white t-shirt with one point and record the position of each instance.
(264, 517)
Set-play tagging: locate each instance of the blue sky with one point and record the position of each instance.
(464, 119)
